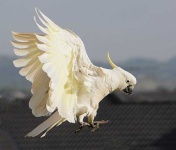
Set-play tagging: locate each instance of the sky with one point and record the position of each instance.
(126, 29)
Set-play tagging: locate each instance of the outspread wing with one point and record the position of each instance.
(32, 70)
(57, 65)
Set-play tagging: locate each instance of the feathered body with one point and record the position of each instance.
(64, 80)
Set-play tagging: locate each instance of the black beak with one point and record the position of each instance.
(128, 90)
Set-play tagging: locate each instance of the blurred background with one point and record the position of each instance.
(140, 37)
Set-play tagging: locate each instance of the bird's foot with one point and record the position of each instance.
(101, 122)
(83, 124)
(97, 124)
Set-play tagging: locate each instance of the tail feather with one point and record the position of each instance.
(47, 125)
(55, 124)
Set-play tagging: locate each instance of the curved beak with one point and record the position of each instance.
(128, 89)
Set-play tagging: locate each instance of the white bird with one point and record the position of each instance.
(64, 80)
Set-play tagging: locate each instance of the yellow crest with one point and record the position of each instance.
(110, 61)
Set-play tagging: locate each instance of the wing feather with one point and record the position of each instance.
(57, 64)
(25, 45)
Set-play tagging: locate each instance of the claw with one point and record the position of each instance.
(95, 127)
(101, 122)
(97, 124)
(78, 130)
(81, 126)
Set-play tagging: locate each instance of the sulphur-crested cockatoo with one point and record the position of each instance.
(64, 80)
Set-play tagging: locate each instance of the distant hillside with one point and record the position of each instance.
(150, 73)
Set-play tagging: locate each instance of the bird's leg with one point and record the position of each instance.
(82, 123)
(91, 121)
(95, 124)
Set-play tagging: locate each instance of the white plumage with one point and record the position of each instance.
(63, 78)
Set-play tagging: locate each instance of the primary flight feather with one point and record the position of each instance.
(64, 80)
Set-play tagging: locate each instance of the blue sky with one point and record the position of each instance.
(125, 28)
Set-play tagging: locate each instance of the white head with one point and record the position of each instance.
(129, 80)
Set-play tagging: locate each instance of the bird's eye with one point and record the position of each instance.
(127, 81)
